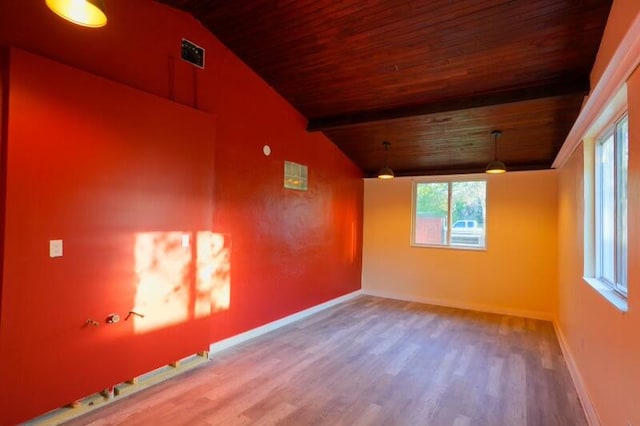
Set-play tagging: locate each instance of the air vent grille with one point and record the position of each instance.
(192, 53)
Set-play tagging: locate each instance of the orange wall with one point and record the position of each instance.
(602, 343)
(516, 274)
(622, 14)
(288, 250)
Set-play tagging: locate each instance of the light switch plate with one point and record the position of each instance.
(185, 240)
(55, 248)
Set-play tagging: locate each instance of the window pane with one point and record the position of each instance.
(606, 207)
(622, 151)
(611, 175)
(432, 200)
(468, 213)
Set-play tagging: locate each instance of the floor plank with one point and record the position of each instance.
(372, 361)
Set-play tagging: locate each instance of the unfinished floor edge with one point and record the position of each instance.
(118, 392)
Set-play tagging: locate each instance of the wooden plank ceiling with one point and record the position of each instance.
(433, 77)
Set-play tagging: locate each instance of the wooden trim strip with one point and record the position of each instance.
(553, 89)
(119, 391)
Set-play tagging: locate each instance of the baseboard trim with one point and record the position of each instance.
(578, 382)
(259, 331)
(117, 392)
(545, 316)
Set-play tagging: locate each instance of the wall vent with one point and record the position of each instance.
(192, 53)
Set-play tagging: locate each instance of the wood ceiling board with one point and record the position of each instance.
(382, 59)
(579, 87)
(533, 132)
(327, 56)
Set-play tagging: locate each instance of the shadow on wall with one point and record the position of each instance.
(177, 280)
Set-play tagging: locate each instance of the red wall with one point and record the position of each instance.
(289, 250)
(84, 165)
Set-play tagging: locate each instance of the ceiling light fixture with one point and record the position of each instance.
(496, 166)
(88, 13)
(385, 172)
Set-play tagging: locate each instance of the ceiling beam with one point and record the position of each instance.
(462, 170)
(558, 88)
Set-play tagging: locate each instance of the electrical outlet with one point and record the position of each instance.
(55, 248)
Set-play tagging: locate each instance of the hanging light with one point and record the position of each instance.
(385, 172)
(496, 166)
(88, 13)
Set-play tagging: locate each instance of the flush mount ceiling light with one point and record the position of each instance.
(88, 13)
(496, 166)
(385, 172)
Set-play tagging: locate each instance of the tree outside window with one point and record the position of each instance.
(450, 214)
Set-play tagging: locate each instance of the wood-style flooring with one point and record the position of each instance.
(372, 361)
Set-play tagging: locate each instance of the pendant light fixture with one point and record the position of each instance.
(385, 172)
(88, 13)
(496, 166)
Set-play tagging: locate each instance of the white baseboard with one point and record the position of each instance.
(585, 400)
(545, 316)
(258, 331)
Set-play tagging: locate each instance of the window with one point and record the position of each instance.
(458, 206)
(611, 207)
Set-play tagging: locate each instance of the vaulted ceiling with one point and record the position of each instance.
(433, 77)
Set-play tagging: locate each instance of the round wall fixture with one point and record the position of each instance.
(112, 319)
(266, 150)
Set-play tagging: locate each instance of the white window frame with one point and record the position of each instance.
(449, 180)
(617, 282)
(615, 291)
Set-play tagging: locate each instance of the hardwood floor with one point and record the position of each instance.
(372, 361)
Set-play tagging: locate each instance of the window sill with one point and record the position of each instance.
(456, 247)
(617, 300)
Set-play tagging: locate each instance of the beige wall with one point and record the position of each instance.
(602, 344)
(516, 274)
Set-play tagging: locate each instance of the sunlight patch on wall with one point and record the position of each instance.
(353, 243)
(162, 268)
(177, 282)
(214, 273)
